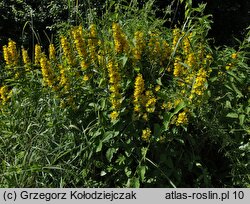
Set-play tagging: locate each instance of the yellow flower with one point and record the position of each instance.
(157, 88)
(85, 77)
(234, 55)
(229, 66)
(146, 134)
(168, 105)
(150, 102)
(182, 118)
(114, 115)
(84, 65)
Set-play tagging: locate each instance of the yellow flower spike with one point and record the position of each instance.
(26, 59)
(120, 40)
(176, 36)
(52, 52)
(5, 94)
(6, 55)
(138, 92)
(139, 44)
(146, 133)
(46, 71)
(114, 81)
(25, 56)
(178, 69)
(79, 41)
(13, 52)
(150, 101)
(66, 50)
(38, 52)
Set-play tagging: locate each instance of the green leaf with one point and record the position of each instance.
(133, 183)
(141, 172)
(110, 153)
(124, 60)
(239, 94)
(109, 135)
(157, 130)
(228, 104)
(99, 147)
(128, 171)
(232, 115)
(103, 173)
(168, 115)
(121, 159)
(180, 106)
(242, 119)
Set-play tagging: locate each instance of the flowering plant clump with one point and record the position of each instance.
(128, 97)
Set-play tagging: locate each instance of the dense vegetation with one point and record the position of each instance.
(119, 97)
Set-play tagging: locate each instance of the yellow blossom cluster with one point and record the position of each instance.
(178, 67)
(64, 80)
(150, 101)
(67, 50)
(47, 72)
(144, 103)
(10, 54)
(139, 44)
(176, 37)
(120, 41)
(146, 133)
(26, 59)
(165, 52)
(154, 46)
(199, 85)
(182, 118)
(92, 43)
(5, 94)
(186, 43)
(38, 52)
(52, 53)
(138, 93)
(114, 81)
(79, 42)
